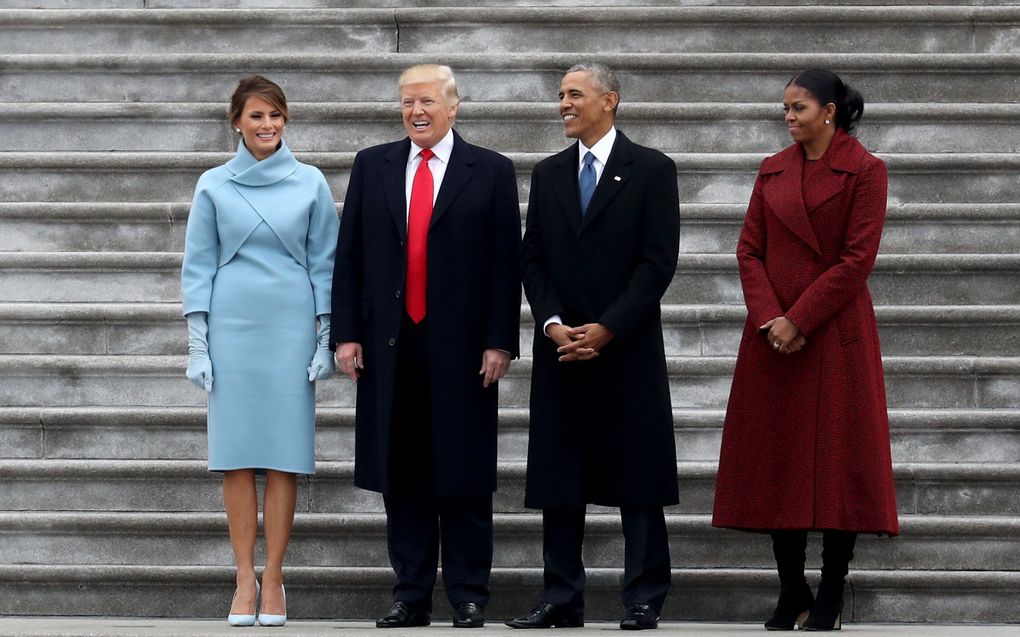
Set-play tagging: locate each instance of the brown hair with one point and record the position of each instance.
(256, 86)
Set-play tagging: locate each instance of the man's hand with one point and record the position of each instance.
(585, 342)
(784, 335)
(350, 359)
(495, 363)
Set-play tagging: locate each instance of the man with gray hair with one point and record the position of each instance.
(426, 318)
(600, 248)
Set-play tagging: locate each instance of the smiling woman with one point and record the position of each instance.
(258, 258)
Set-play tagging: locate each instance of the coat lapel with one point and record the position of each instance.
(784, 194)
(394, 174)
(458, 173)
(565, 186)
(844, 155)
(615, 176)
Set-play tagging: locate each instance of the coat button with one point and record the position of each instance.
(396, 294)
(393, 342)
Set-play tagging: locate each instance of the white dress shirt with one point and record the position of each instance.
(600, 150)
(437, 165)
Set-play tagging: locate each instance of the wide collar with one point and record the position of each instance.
(615, 176)
(458, 173)
(248, 171)
(784, 192)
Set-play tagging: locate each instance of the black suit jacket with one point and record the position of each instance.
(602, 430)
(473, 300)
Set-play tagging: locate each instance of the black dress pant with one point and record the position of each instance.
(646, 576)
(419, 523)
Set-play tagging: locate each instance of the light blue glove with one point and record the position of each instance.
(199, 366)
(323, 365)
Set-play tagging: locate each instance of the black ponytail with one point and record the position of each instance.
(827, 87)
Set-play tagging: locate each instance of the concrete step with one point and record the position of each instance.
(359, 540)
(704, 228)
(704, 177)
(910, 228)
(362, 593)
(319, 4)
(179, 433)
(912, 382)
(487, 76)
(950, 29)
(690, 330)
(970, 489)
(508, 126)
(707, 279)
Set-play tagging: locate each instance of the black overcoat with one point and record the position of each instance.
(473, 300)
(602, 430)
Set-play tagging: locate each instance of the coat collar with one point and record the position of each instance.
(458, 173)
(785, 191)
(248, 171)
(615, 176)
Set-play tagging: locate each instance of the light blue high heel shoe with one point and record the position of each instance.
(266, 619)
(244, 619)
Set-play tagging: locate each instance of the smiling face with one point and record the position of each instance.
(261, 126)
(586, 110)
(805, 116)
(428, 113)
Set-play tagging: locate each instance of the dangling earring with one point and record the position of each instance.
(827, 122)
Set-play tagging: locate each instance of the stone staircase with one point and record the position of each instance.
(112, 110)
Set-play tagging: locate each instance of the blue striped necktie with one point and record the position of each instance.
(586, 182)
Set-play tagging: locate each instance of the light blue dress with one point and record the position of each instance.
(258, 257)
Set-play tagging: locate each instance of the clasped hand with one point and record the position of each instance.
(783, 335)
(580, 343)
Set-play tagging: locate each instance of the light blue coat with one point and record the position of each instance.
(258, 257)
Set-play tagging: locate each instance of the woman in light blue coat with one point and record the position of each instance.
(258, 263)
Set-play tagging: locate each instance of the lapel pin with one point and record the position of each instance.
(617, 178)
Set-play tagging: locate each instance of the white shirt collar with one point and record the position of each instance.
(600, 149)
(442, 149)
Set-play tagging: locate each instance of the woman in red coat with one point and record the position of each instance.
(806, 439)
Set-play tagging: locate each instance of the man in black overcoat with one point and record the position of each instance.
(600, 248)
(426, 318)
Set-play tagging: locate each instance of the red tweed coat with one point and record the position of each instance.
(806, 437)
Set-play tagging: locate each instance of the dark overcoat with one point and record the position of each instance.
(473, 299)
(602, 430)
(806, 436)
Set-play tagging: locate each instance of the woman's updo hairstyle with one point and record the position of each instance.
(828, 87)
(256, 86)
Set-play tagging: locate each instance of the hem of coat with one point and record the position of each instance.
(764, 529)
(602, 503)
(261, 471)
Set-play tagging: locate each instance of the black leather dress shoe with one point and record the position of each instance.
(640, 617)
(468, 615)
(547, 615)
(401, 615)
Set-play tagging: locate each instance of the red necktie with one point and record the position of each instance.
(418, 216)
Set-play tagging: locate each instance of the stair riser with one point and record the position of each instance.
(928, 496)
(697, 236)
(147, 38)
(307, 83)
(689, 548)
(910, 443)
(518, 135)
(899, 236)
(161, 284)
(987, 287)
(701, 185)
(915, 388)
(677, 35)
(70, 337)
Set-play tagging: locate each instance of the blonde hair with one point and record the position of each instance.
(431, 73)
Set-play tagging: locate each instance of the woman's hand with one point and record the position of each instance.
(783, 335)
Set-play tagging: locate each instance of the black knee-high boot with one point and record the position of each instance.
(794, 593)
(837, 551)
